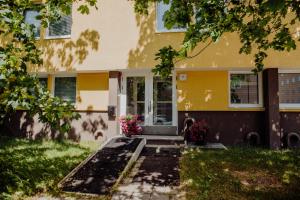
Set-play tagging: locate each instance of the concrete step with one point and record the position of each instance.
(160, 130)
(158, 140)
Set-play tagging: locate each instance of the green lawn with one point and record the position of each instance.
(29, 168)
(241, 173)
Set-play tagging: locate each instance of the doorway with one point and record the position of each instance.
(151, 98)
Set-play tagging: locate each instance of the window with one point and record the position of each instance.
(245, 90)
(65, 88)
(161, 8)
(31, 18)
(61, 28)
(289, 87)
(1, 61)
(44, 82)
(2, 84)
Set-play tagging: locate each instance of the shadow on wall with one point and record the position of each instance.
(92, 126)
(65, 54)
(149, 42)
(212, 56)
(228, 127)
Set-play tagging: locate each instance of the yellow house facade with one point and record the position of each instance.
(102, 62)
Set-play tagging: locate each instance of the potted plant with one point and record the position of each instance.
(129, 125)
(198, 132)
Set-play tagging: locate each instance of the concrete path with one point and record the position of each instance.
(155, 176)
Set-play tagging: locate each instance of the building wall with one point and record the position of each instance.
(203, 90)
(228, 127)
(115, 38)
(91, 126)
(92, 91)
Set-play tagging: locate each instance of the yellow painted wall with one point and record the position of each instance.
(50, 83)
(115, 38)
(92, 91)
(205, 90)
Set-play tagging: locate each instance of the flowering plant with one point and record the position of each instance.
(198, 132)
(129, 125)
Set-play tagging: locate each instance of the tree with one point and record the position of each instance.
(262, 25)
(18, 50)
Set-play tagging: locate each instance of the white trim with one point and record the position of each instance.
(48, 37)
(287, 71)
(65, 74)
(174, 93)
(148, 95)
(260, 91)
(165, 30)
(42, 75)
(291, 106)
(57, 37)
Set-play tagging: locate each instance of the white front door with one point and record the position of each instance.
(150, 97)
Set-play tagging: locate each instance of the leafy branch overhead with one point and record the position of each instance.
(18, 50)
(262, 25)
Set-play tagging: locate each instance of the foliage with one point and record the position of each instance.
(129, 125)
(18, 50)
(29, 167)
(241, 173)
(198, 131)
(262, 25)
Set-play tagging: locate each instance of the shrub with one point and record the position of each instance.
(129, 125)
(198, 132)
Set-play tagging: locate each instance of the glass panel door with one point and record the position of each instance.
(162, 101)
(136, 97)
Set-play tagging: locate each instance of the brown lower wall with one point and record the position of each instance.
(91, 126)
(228, 127)
(289, 122)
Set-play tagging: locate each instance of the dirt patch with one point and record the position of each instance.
(160, 167)
(257, 179)
(101, 172)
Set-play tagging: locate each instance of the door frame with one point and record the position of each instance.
(148, 95)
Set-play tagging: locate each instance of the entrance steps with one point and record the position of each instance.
(162, 141)
(160, 130)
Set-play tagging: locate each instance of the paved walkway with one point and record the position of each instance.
(155, 176)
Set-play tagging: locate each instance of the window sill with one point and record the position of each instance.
(289, 106)
(57, 37)
(245, 106)
(171, 31)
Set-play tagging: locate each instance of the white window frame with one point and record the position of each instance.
(288, 105)
(40, 29)
(165, 30)
(260, 91)
(65, 75)
(42, 75)
(48, 37)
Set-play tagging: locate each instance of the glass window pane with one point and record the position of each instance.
(44, 82)
(62, 27)
(136, 97)
(244, 89)
(162, 101)
(161, 9)
(2, 85)
(289, 88)
(30, 18)
(65, 88)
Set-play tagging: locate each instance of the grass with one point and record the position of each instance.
(241, 173)
(29, 167)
